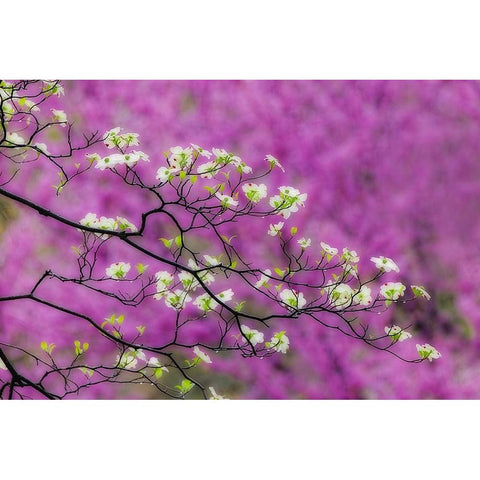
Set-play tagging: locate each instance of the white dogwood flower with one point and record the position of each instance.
(264, 279)
(226, 200)
(117, 270)
(340, 295)
(420, 291)
(215, 395)
(15, 138)
(363, 296)
(392, 290)
(279, 342)
(274, 162)
(293, 299)
(201, 355)
(59, 116)
(177, 299)
(181, 157)
(164, 173)
(304, 242)
(201, 151)
(274, 230)
(255, 192)
(397, 334)
(254, 336)
(385, 264)
(429, 352)
(205, 302)
(226, 295)
(208, 169)
(328, 249)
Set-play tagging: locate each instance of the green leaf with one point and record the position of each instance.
(141, 329)
(120, 319)
(193, 178)
(21, 101)
(85, 346)
(233, 265)
(178, 241)
(141, 268)
(279, 271)
(86, 371)
(239, 306)
(293, 231)
(166, 242)
(78, 349)
(158, 372)
(182, 175)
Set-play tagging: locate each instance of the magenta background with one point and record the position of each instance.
(391, 168)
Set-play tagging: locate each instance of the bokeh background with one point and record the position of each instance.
(391, 168)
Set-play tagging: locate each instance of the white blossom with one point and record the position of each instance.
(189, 282)
(385, 264)
(226, 295)
(177, 299)
(263, 282)
(215, 395)
(363, 296)
(328, 249)
(288, 201)
(201, 151)
(15, 138)
(129, 359)
(205, 302)
(274, 230)
(293, 299)
(117, 270)
(164, 173)
(427, 351)
(254, 336)
(43, 148)
(350, 256)
(274, 162)
(211, 261)
(110, 161)
(255, 192)
(181, 157)
(226, 200)
(392, 290)
(397, 334)
(201, 355)
(340, 295)
(420, 291)
(59, 116)
(279, 342)
(304, 242)
(208, 169)
(123, 224)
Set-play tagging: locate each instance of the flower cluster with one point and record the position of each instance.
(279, 342)
(119, 224)
(288, 201)
(113, 139)
(179, 297)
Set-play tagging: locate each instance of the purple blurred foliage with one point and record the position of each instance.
(391, 168)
